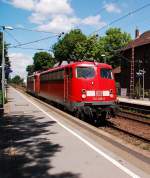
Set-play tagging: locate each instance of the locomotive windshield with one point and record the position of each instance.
(106, 73)
(85, 72)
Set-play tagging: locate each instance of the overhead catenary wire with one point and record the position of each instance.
(122, 17)
(12, 36)
(104, 7)
(35, 41)
(99, 11)
(38, 49)
(32, 30)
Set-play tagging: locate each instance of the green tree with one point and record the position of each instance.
(76, 45)
(42, 61)
(30, 69)
(64, 49)
(110, 44)
(91, 48)
(17, 80)
(88, 49)
(7, 61)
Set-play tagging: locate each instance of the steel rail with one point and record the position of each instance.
(131, 134)
(135, 107)
(134, 117)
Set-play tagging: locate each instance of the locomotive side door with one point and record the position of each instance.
(34, 83)
(67, 83)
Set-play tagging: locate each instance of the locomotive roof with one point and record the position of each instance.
(79, 63)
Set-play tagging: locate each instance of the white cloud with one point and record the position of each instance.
(111, 7)
(43, 6)
(59, 23)
(63, 23)
(53, 7)
(37, 18)
(56, 15)
(23, 4)
(94, 20)
(45, 9)
(19, 62)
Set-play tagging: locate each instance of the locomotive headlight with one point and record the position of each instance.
(111, 93)
(83, 96)
(83, 93)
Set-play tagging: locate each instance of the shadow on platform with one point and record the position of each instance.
(25, 151)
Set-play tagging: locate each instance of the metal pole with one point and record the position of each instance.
(3, 68)
(143, 83)
(139, 79)
(139, 86)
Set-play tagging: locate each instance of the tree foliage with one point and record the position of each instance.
(7, 61)
(86, 49)
(17, 80)
(114, 40)
(75, 45)
(30, 69)
(64, 49)
(41, 61)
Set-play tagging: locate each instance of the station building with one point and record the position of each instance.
(135, 60)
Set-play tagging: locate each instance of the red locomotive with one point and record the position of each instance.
(82, 87)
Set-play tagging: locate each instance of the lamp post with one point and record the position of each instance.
(3, 62)
(139, 74)
(143, 73)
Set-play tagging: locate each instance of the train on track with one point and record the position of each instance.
(84, 88)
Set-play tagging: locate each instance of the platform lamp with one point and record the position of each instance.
(3, 62)
(143, 73)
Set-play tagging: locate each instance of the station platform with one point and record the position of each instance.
(134, 101)
(37, 143)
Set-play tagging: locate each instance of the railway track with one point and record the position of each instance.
(130, 134)
(134, 116)
(143, 109)
(133, 127)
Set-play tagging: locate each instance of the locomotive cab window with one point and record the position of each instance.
(106, 73)
(85, 72)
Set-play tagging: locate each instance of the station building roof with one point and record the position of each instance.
(141, 40)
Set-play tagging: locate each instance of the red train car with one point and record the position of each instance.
(82, 87)
(33, 83)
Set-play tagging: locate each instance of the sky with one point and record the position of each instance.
(37, 19)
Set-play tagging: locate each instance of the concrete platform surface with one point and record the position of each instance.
(134, 101)
(36, 144)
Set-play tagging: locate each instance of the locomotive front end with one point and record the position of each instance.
(95, 90)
